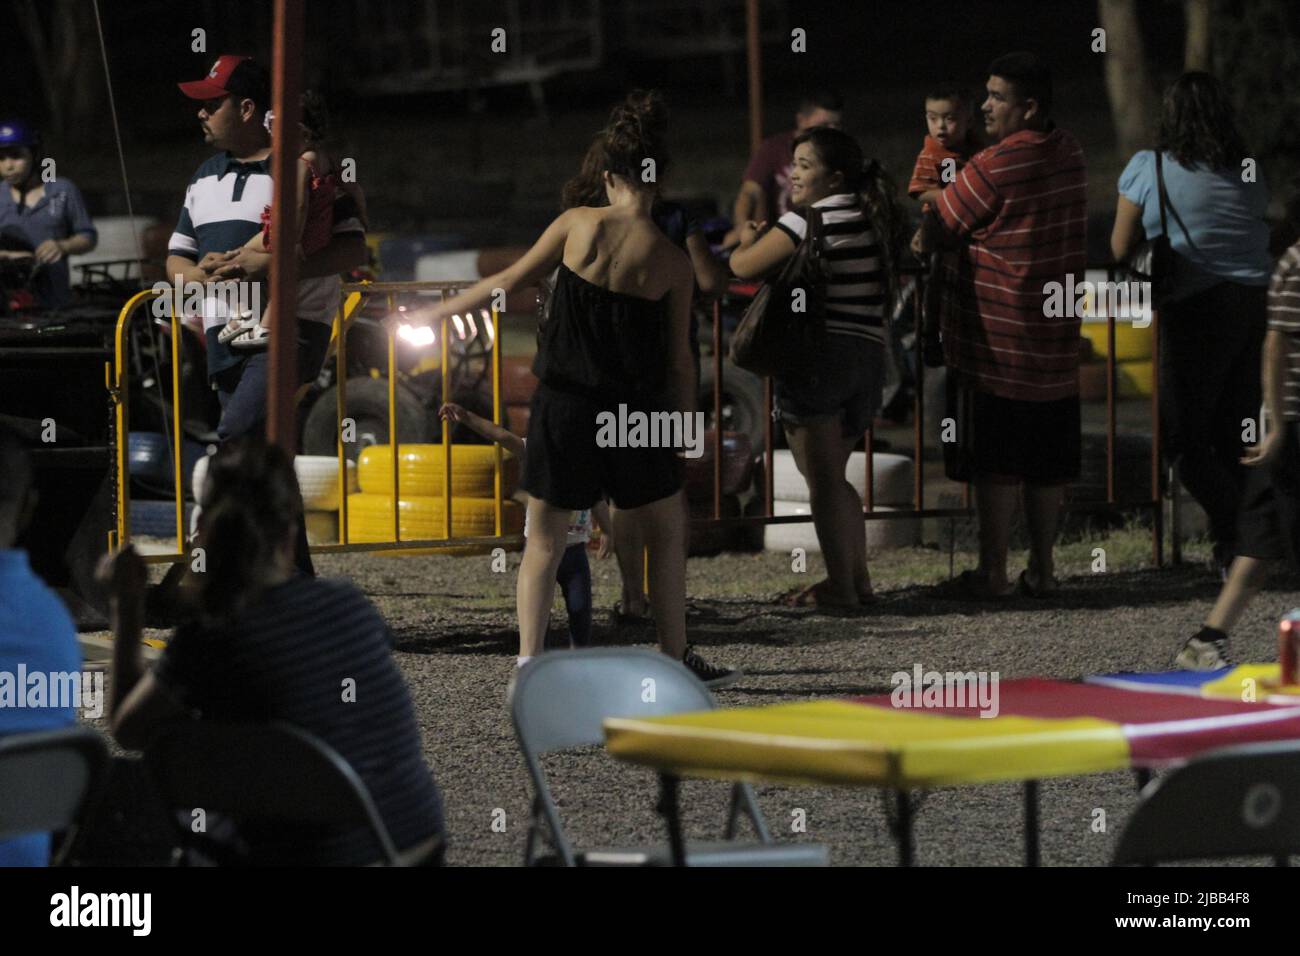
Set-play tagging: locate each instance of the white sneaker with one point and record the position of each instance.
(1201, 655)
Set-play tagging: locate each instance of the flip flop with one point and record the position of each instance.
(1023, 586)
(969, 586)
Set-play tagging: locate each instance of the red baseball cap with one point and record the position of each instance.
(232, 75)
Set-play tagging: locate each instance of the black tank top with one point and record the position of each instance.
(603, 343)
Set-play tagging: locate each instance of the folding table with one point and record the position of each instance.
(1044, 728)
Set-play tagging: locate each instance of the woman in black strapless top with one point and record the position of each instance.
(615, 345)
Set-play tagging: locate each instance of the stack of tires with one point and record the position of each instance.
(1133, 370)
(318, 481)
(891, 488)
(421, 511)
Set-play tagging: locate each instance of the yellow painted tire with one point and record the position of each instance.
(1134, 378)
(419, 469)
(370, 517)
(1130, 344)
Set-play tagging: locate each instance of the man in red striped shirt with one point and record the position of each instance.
(1018, 213)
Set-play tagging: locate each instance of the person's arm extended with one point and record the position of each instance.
(139, 707)
(710, 274)
(1127, 231)
(755, 257)
(537, 262)
(601, 517)
(750, 205)
(489, 430)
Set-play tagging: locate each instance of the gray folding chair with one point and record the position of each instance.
(559, 702)
(1239, 801)
(272, 772)
(49, 781)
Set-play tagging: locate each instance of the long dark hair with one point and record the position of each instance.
(251, 504)
(840, 153)
(1198, 125)
(637, 130)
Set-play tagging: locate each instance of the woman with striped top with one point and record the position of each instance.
(824, 414)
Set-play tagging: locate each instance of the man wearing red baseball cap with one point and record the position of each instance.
(222, 211)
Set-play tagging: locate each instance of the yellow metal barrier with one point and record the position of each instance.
(354, 297)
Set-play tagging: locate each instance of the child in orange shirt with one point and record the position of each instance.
(952, 140)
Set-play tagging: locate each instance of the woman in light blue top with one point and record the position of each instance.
(1212, 327)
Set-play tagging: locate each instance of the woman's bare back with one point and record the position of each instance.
(618, 250)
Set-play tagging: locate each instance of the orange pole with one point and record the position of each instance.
(754, 56)
(286, 84)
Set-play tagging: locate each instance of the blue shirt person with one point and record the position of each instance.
(46, 221)
(36, 634)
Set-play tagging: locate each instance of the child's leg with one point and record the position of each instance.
(548, 527)
(1245, 578)
(574, 578)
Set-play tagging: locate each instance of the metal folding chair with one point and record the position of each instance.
(560, 701)
(272, 772)
(49, 780)
(1239, 801)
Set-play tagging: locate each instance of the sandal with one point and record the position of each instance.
(256, 337)
(234, 328)
(969, 586)
(1041, 590)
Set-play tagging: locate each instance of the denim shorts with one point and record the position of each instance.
(846, 387)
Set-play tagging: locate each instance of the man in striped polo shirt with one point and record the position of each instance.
(222, 211)
(1018, 213)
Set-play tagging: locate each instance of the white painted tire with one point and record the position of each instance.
(881, 535)
(893, 477)
(322, 527)
(318, 480)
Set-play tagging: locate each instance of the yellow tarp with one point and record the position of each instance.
(839, 742)
(1250, 682)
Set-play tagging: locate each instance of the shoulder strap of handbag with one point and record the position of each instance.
(815, 230)
(1164, 201)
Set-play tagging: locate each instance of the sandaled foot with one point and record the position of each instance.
(970, 586)
(257, 337)
(234, 328)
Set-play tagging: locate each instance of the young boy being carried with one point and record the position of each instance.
(574, 575)
(951, 141)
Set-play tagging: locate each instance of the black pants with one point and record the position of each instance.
(1210, 348)
(241, 390)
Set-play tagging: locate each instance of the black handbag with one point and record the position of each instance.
(1154, 260)
(775, 339)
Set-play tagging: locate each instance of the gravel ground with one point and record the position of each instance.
(455, 629)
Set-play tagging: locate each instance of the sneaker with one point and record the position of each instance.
(1203, 654)
(711, 675)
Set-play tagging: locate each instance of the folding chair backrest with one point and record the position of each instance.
(47, 778)
(562, 699)
(1240, 801)
(265, 772)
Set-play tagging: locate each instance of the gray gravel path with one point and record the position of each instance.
(454, 622)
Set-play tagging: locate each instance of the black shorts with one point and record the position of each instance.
(565, 467)
(993, 437)
(1268, 523)
(846, 387)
